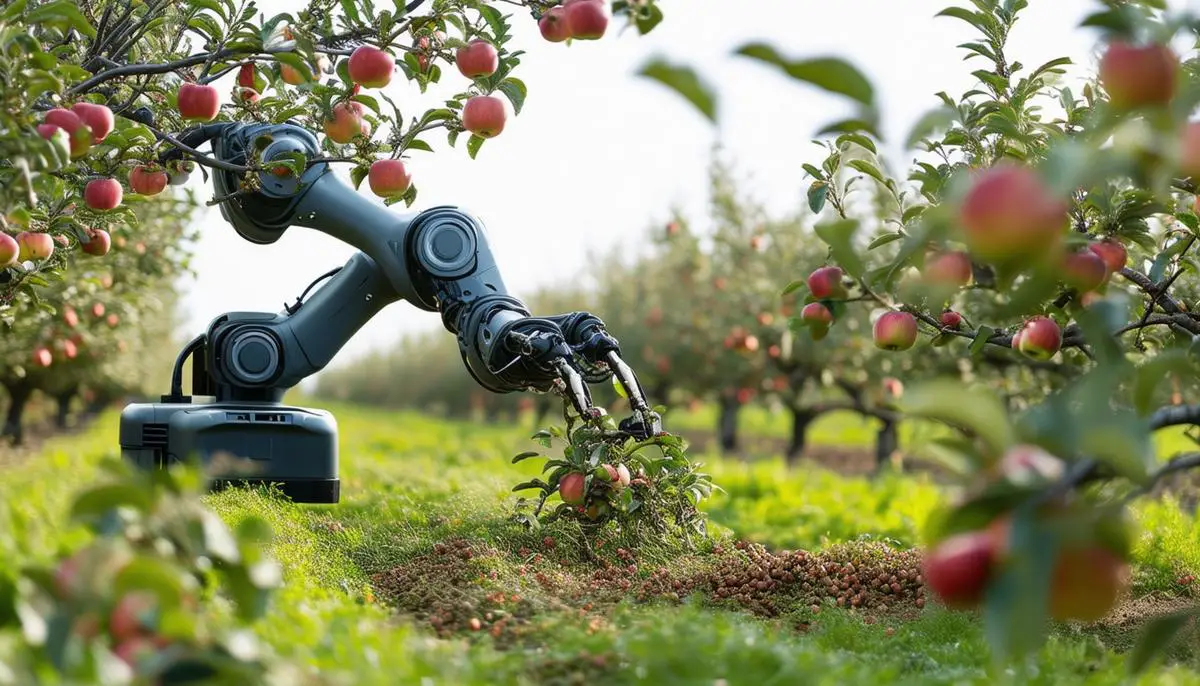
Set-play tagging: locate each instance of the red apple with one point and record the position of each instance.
(9, 250)
(148, 180)
(745, 395)
(949, 268)
(97, 117)
(112, 320)
(951, 319)
(1086, 583)
(198, 102)
(136, 650)
(484, 116)
(895, 331)
(958, 569)
(58, 137)
(553, 25)
(1009, 217)
(77, 130)
(389, 178)
(826, 282)
(774, 351)
(371, 67)
(42, 356)
(347, 122)
(98, 243)
(765, 318)
(34, 246)
(69, 350)
(1189, 151)
(102, 194)
(246, 76)
(1041, 338)
(70, 317)
(570, 488)
(588, 19)
(818, 318)
(1084, 271)
(247, 95)
(477, 59)
(1138, 75)
(1111, 253)
(132, 615)
(1025, 465)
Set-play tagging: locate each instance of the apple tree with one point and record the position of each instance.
(1054, 208)
(97, 96)
(101, 331)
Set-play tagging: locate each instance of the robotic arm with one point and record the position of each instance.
(437, 259)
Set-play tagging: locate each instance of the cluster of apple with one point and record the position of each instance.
(1089, 570)
(590, 495)
(575, 19)
(63, 347)
(1010, 220)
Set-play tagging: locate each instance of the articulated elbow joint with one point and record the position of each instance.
(454, 272)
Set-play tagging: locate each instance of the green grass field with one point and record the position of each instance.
(418, 576)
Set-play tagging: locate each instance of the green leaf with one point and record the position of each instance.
(975, 19)
(473, 145)
(61, 12)
(648, 18)
(883, 240)
(839, 236)
(829, 73)
(514, 89)
(817, 193)
(793, 287)
(357, 174)
(685, 82)
(154, 575)
(525, 456)
(618, 387)
(531, 484)
(99, 501)
(977, 410)
(1156, 637)
(982, 334)
(1015, 602)
(857, 139)
(867, 168)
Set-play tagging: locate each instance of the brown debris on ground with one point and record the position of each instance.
(463, 587)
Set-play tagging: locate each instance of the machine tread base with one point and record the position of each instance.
(313, 491)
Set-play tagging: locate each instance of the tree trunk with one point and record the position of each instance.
(801, 420)
(19, 395)
(727, 426)
(887, 441)
(63, 406)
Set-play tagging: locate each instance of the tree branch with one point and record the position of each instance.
(1175, 415)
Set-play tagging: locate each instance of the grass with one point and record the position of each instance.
(379, 589)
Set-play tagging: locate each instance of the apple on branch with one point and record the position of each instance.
(826, 283)
(1138, 75)
(98, 244)
(1010, 218)
(588, 19)
(389, 178)
(9, 250)
(148, 179)
(97, 117)
(103, 194)
(553, 25)
(895, 331)
(371, 67)
(484, 116)
(1084, 271)
(347, 122)
(34, 246)
(818, 318)
(198, 102)
(78, 132)
(1040, 338)
(477, 59)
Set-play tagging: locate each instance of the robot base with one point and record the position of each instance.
(239, 444)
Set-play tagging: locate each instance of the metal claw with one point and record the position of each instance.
(575, 389)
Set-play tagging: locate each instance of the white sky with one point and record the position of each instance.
(598, 155)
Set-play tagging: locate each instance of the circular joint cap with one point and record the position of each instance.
(254, 356)
(446, 242)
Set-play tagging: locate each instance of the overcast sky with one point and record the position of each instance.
(598, 154)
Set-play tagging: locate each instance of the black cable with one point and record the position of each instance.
(177, 373)
(292, 309)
